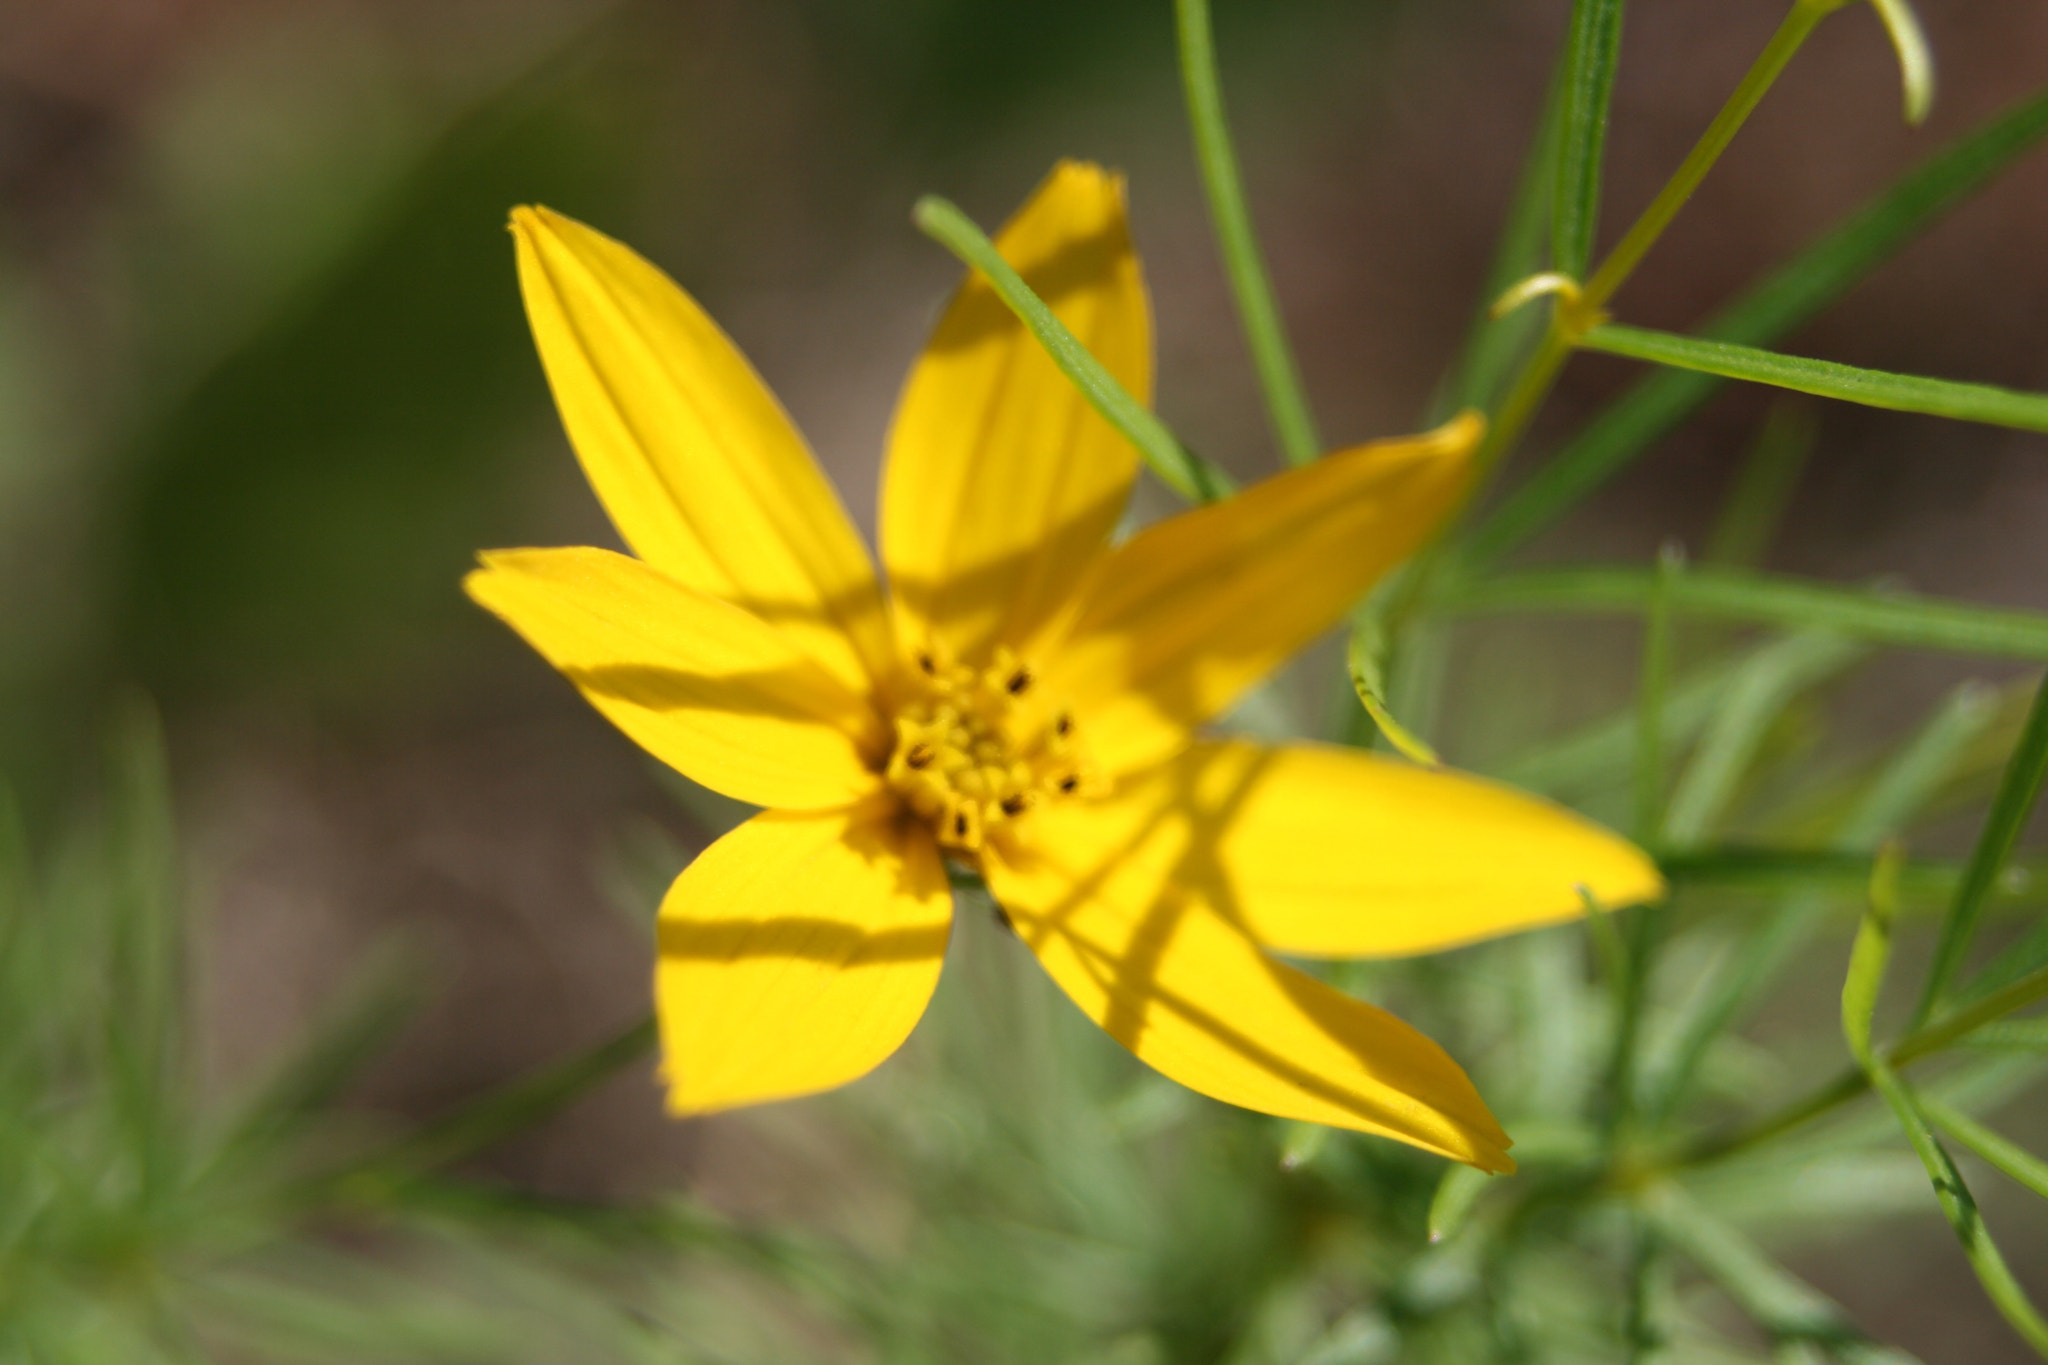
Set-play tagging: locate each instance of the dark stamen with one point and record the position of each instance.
(1014, 804)
(1070, 784)
(960, 826)
(1018, 683)
(1064, 726)
(928, 664)
(920, 756)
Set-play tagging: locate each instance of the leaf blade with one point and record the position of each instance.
(1789, 296)
(1885, 617)
(1962, 401)
(1593, 50)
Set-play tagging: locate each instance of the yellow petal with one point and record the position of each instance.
(702, 685)
(1001, 482)
(796, 954)
(1329, 852)
(1162, 967)
(699, 467)
(1179, 621)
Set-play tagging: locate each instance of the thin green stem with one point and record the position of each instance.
(1874, 614)
(2018, 788)
(1964, 402)
(1532, 385)
(1855, 1082)
(1791, 294)
(1994, 1147)
(1628, 253)
(1959, 1206)
(1294, 425)
(1938, 1035)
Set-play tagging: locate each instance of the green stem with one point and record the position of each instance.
(1287, 406)
(1592, 52)
(1762, 74)
(1854, 1082)
(1532, 385)
(2018, 788)
(1959, 1206)
(1540, 371)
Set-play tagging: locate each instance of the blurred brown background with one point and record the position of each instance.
(265, 388)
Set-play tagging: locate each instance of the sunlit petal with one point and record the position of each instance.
(1333, 852)
(1165, 970)
(1001, 481)
(699, 683)
(697, 464)
(796, 954)
(1176, 623)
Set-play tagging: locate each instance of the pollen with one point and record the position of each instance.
(976, 750)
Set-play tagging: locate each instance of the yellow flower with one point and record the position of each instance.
(1025, 698)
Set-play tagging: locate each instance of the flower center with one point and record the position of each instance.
(975, 752)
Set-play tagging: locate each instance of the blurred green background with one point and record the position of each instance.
(265, 388)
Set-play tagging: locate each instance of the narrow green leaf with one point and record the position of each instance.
(1787, 1308)
(1554, 1034)
(1825, 378)
(1647, 1307)
(1792, 294)
(1916, 774)
(1625, 959)
(1578, 171)
(349, 1034)
(1859, 998)
(1654, 684)
(1878, 615)
(1456, 1193)
(1868, 956)
(1302, 1142)
(2017, 1035)
(1265, 334)
(2018, 788)
(1996, 1148)
(1600, 754)
(1609, 948)
(1763, 73)
(1179, 468)
(1923, 884)
(1593, 51)
(1764, 488)
(2025, 956)
(1960, 1208)
(1899, 790)
(1756, 697)
(143, 1020)
(1963, 1020)
(1361, 657)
